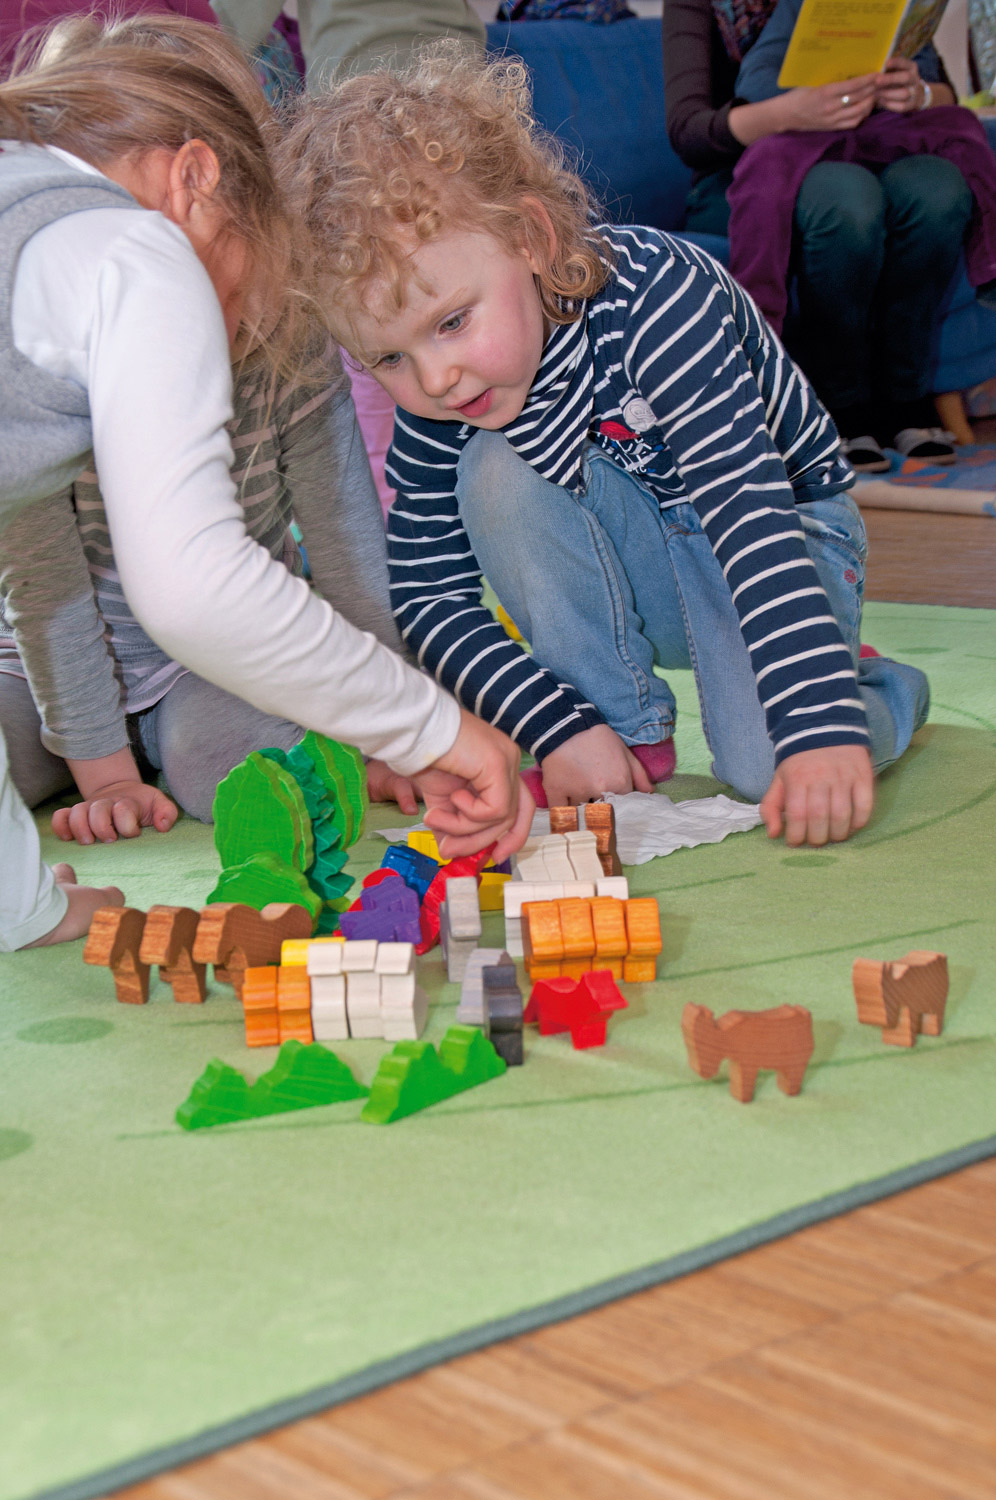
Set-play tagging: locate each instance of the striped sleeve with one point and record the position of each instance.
(436, 593)
(734, 412)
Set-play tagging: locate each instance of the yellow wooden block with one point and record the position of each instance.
(490, 892)
(424, 841)
(294, 951)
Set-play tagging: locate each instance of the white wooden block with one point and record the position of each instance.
(363, 1004)
(325, 958)
(394, 958)
(397, 991)
(579, 890)
(408, 1027)
(328, 989)
(358, 955)
(329, 1021)
(583, 856)
(613, 885)
(458, 951)
(462, 906)
(470, 1011)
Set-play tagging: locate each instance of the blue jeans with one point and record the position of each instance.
(605, 587)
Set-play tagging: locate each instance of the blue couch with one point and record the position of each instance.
(601, 90)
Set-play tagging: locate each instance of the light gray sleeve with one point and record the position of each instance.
(249, 20)
(336, 506)
(50, 607)
(353, 36)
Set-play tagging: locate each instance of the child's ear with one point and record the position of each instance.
(539, 235)
(194, 175)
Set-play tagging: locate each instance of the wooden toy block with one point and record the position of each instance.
(296, 950)
(582, 1008)
(563, 820)
(113, 942)
(613, 885)
(576, 890)
(503, 1008)
(600, 819)
(583, 855)
(235, 937)
(395, 958)
(780, 1040)
(542, 941)
(904, 997)
(416, 869)
(168, 940)
(556, 859)
(294, 1004)
(414, 1076)
(528, 863)
(471, 1010)
(359, 957)
(404, 1008)
(422, 840)
(363, 1004)
(608, 920)
(463, 909)
(329, 1021)
(324, 958)
(259, 1005)
(492, 889)
(643, 932)
(578, 937)
(301, 1078)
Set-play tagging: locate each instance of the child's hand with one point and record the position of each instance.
(385, 785)
(120, 810)
(590, 764)
(473, 794)
(820, 795)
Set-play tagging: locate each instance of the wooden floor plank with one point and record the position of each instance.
(855, 1360)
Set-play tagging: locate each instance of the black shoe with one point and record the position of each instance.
(864, 455)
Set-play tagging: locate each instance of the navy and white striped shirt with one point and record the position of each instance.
(704, 406)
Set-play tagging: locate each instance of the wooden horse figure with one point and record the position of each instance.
(235, 937)
(780, 1039)
(168, 941)
(904, 997)
(113, 941)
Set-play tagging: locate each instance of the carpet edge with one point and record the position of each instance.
(412, 1362)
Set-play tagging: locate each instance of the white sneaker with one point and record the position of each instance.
(932, 444)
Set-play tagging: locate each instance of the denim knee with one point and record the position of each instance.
(929, 194)
(841, 210)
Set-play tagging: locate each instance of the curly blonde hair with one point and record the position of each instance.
(113, 88)
(392, 159)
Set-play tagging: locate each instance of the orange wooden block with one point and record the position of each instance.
(259, 1002)
(235, 937)
(639, 970)
(643, 927)
(542, 940)
(608, 920)
(113, 942)
(294, 1004)
(563, 820)
(904, 997)
(168, 940)
(780, 1039)
(600, 819)
(579, 938)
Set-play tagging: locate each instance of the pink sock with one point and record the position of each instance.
(533, 779)
(657, 760)
(866, 652)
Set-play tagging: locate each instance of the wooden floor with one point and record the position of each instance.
(852, 1361)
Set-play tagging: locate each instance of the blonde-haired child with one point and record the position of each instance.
(598, 420)
(142, 239)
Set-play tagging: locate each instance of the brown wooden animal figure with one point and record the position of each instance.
(780, 1039)
(904, 997)
(113, 941)
(235, 937)
(168, 941)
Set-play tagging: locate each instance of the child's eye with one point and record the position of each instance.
(389, 361)
(450, 325)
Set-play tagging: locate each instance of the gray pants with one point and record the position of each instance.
(194, 736)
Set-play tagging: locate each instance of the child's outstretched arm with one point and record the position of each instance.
(820, 796)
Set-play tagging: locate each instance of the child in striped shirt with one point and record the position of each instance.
(598, 420)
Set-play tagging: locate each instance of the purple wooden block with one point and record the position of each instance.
(368, 924)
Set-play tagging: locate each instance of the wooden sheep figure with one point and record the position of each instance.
(235, 937)
(904, 997)
(168, 940)
(780, 1039)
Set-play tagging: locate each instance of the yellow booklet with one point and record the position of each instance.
(838, 39)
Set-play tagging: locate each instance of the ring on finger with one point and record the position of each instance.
(845, 100)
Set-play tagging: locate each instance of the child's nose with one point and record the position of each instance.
(438, 375)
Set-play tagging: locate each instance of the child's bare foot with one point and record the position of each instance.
(84, 900)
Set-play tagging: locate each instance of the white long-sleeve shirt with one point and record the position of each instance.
(117, 301)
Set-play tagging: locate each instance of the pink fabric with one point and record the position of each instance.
(768, 177)
(19, 16)
(375, 414)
